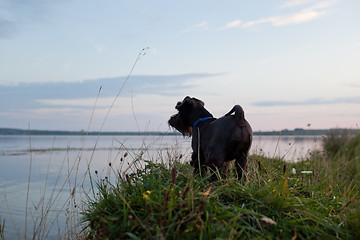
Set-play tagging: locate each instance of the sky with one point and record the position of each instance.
(122, 65)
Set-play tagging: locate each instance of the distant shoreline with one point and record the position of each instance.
(285, 132)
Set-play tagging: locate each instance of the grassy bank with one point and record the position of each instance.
(313, 199)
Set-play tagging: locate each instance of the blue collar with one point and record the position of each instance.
(200, 120)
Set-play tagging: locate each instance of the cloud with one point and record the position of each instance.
(200, 26)
(82, 102)
(324, 4)
(233, 24)
(36, 95)
(295, 3)
(69, 105)
(304, 15)
(44, 113)
(315, 101)
(78, 102)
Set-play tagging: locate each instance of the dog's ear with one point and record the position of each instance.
(199, 101)
(187, 100)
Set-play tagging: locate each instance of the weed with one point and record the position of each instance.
(2, 226)
(166, 201)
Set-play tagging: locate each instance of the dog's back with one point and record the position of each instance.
(229, 136)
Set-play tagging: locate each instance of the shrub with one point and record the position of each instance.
(335, 139)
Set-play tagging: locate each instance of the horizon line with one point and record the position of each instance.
(295, 131)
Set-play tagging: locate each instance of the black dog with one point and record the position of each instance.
(221, 140)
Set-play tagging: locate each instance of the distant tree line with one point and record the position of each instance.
(296, 131)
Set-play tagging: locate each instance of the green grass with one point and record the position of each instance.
(2, 226)
(166, 201)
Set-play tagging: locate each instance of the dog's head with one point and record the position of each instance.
(186, 116)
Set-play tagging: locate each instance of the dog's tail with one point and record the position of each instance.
(239, 114)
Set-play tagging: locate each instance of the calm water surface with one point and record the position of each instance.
(60, 165)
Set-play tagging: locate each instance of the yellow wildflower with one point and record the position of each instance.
(146, 195)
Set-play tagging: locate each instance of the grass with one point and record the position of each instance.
(2, 226)
(313, 199)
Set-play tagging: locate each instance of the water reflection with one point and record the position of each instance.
(288, 148)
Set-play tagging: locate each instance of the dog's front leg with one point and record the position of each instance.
(196, 163)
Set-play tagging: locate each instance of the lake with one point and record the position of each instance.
(59, 179)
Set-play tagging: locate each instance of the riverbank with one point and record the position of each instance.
(313, 199)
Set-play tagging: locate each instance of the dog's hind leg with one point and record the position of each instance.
(241, 166)
(216, 172)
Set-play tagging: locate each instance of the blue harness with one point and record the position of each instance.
(200, 120)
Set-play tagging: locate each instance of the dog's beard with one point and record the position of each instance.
(176, 122)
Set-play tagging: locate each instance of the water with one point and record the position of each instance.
(60, 165)
(288, 148)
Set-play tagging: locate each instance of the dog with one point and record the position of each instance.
(214, 141)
